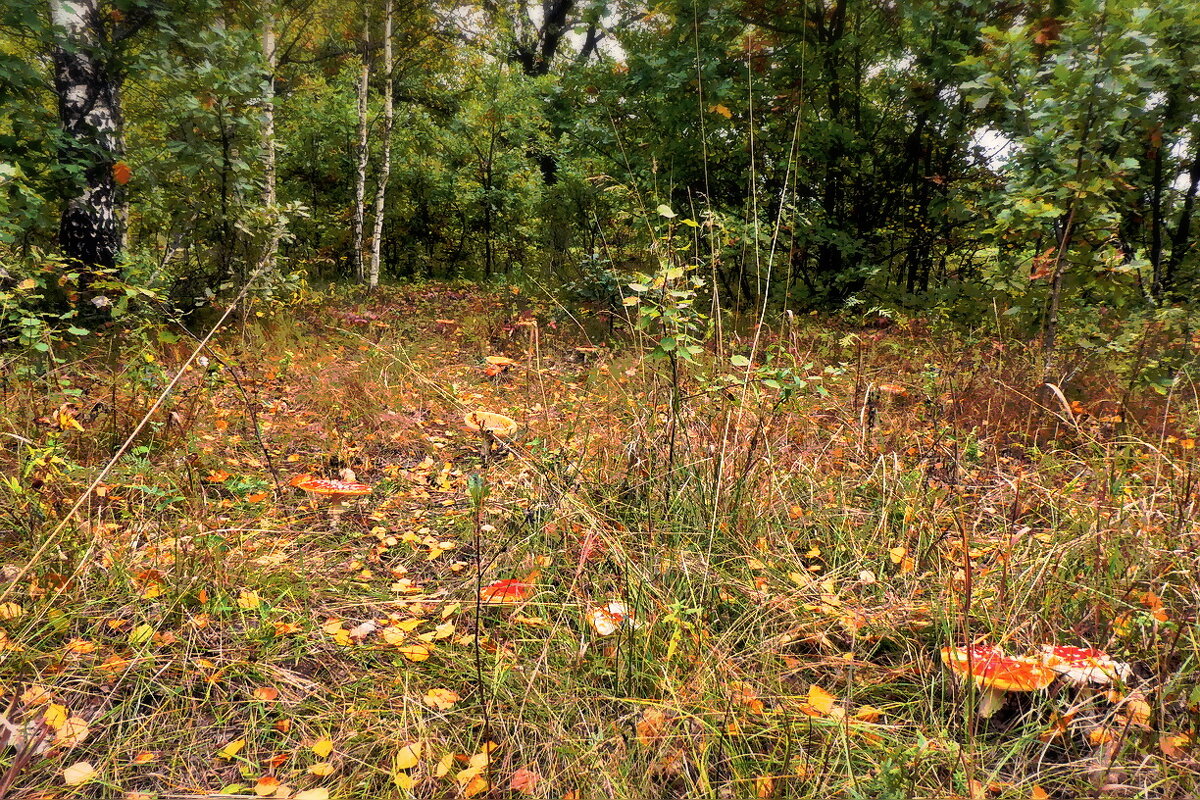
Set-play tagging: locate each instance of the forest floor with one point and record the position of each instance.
(791, 565)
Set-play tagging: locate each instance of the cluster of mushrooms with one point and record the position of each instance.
(996, 674)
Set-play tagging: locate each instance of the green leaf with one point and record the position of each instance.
(78, 331)
(739, 361)
(664, 210)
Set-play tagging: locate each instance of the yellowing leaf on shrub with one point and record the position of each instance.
(79, 773)
(722, 110)
(441, 699)
(408, 756)
(323, 747)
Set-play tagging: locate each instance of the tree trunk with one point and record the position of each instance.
(88, 107)
(269, 58)
(360, 177)
(385, 166)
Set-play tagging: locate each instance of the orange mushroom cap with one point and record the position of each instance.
(329, 487)
(989, 668)
(509, 590)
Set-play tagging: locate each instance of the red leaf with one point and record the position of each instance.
(121, 172)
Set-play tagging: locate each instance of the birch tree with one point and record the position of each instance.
(89, 112)
(360, 176)
(385, 166)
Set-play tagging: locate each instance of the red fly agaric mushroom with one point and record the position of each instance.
(509, 590)
(337, 491)
(1084, 665)
(995, 674)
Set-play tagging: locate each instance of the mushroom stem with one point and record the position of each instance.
(990, 701)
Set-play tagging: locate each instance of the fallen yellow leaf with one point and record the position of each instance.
(79, 773)
(232, 749)
(323, 747)
(408, 756)
(441, 699)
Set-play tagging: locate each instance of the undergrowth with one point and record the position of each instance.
(799, 518)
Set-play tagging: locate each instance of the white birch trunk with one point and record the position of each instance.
(360, 178)
(385, 167)
(89, 112)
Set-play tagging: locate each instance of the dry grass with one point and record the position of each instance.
(836, 540)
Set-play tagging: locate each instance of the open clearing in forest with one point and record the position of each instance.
(791, 566)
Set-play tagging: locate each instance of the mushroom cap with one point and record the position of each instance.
(500, 361)
(329, 487)
(509, 590)
(1082, 665)
(991, 669)
(608, 619)
(497, 424)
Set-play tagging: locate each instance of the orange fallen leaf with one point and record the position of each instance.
(266, 693)
(266, 786)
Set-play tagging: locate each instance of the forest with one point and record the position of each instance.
(599, 398)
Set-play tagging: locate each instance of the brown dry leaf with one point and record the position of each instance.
(79, 773)
(441, 699)
(764, 786)
(651, 726)
(1172, 744)
(524, 781)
